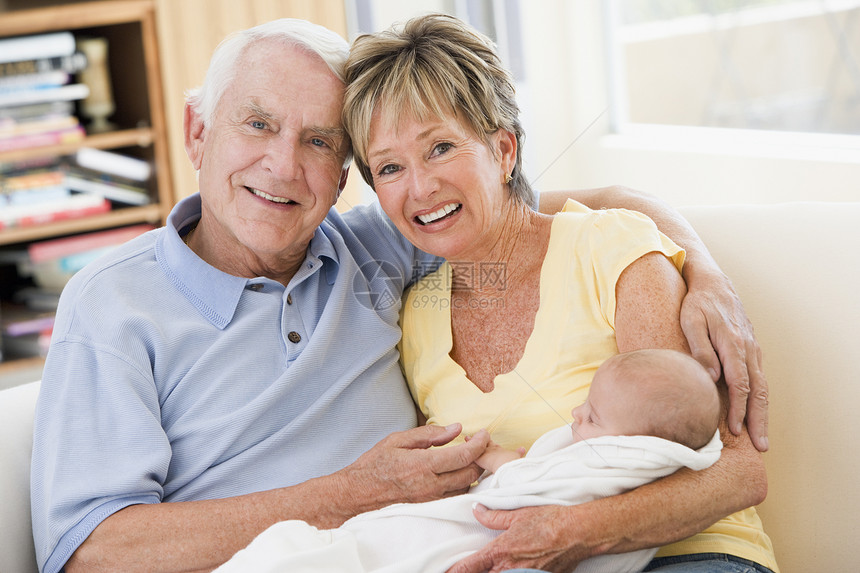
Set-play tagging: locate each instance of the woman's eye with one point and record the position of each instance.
(389, 169)
(441, 148)
(257, 124)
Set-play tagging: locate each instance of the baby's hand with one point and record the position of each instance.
(495, 456)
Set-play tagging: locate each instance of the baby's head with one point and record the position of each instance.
(662, 393)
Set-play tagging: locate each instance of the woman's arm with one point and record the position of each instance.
(712, 316)
(556, 538)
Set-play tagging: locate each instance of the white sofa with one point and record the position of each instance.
(797, 269)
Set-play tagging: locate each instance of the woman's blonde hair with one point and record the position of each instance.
(432, 66)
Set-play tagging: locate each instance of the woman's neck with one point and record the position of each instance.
(521, 236)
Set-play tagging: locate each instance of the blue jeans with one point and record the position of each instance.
(705, 563)
(698, 563)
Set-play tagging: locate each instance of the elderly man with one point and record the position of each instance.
(240, 362)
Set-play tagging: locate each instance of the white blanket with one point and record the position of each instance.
(431, 537)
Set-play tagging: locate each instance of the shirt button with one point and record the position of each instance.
(256, 287)
(289, 299)
(294, 337)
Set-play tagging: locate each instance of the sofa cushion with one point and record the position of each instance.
(796, 266)
(17, 553)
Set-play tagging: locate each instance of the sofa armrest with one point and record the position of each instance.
(17, 405)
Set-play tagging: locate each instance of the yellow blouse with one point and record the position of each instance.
(574, 333)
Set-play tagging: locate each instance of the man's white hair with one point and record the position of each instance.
(222, 67)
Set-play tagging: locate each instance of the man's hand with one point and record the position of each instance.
(718, 331)
(532, 538)
(403, 467)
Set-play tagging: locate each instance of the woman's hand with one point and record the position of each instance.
(719, 331)
(532, 538)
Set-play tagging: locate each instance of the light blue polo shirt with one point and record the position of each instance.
(169, 380)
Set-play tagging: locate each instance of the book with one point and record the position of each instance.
(26, 346)
(38, 46)
(109, 189)
(18, 321)
(69, 92)
(25, 141)
(71, 64)
(28, 165)
(31, 179)
(73, 207)
(37, 299)
(25, 332)
(41, 80)
(34, 186)
(34, 196)
(12, 128)
(30, 112)
(52, 249)
(113, 163)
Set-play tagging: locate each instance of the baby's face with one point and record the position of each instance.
(607, 411)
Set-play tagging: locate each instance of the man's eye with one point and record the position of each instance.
(257, 124)
(318, 142)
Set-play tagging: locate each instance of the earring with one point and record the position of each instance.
(508, 178)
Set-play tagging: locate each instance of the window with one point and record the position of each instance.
(783, 65)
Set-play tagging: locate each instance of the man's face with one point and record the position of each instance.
(271, 160)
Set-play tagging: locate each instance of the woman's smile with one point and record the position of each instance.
(445, 212)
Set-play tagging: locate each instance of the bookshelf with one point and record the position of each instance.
(138, 127)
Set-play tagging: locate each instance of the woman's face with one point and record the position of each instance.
(441, 184)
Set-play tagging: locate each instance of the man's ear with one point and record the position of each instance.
(192, 125)
(342, 183)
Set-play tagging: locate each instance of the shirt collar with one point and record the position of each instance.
(215, 293)
(323, 247)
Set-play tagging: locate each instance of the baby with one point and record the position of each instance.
(660, 393)
(648, 413)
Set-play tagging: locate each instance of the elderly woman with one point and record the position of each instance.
(507, 334)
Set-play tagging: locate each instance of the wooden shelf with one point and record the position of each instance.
(129, 26)
(117, 218)
(142, 137)
(73, 16)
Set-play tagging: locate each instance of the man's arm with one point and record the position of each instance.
(712, 316)
(201, 535)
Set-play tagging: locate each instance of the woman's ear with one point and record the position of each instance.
(506, 147)
(192, 125)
